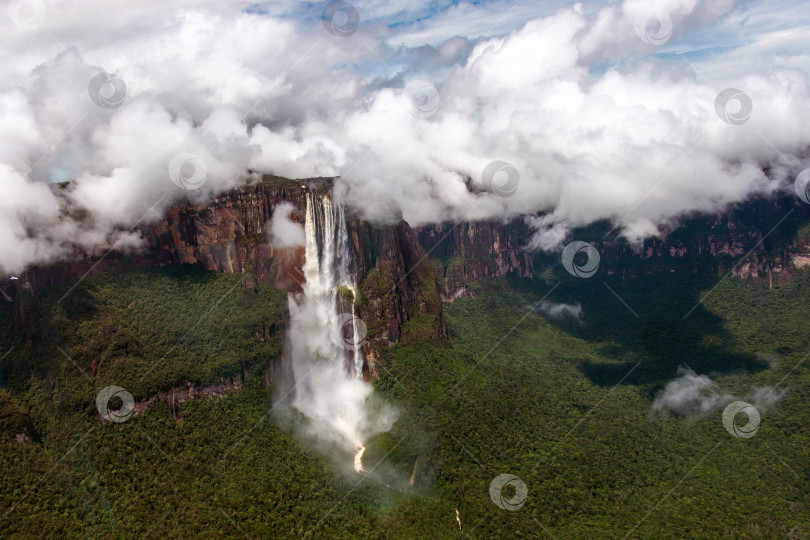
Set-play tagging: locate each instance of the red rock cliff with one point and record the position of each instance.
(229, 234)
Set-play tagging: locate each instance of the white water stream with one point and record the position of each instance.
(325, 352)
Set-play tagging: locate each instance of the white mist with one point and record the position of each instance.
(326, 363)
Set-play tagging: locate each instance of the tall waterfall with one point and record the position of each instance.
(325, 335)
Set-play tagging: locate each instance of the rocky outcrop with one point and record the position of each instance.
(749, 240)
(226, 235)
(758, 239)
(404, 274)
(229, 234)
(465, 252)
(23, 290)
(173, 397)
(398, 300)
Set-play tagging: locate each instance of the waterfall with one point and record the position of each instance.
(358, 355)
(328, 265)
(326, 359)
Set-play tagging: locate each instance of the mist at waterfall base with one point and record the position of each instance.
(322, 397)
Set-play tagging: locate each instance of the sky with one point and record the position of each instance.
(637, 112)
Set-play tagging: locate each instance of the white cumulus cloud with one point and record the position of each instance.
(598, 125)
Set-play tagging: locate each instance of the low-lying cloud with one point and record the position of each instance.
(557, 311)
(694, 395)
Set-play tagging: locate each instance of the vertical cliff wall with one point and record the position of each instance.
(397, 282)
(399, 295)
(773, 236)
(229, 234)
(404, 275)
(467, 252)
(774, 233)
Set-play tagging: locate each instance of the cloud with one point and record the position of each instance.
(285, 233)
(690, 395)
(597, 123)
(696, 395)
(773, 360)
(557, 311)
(765, 397)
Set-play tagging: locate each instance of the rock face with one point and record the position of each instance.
(24, 290)
(230, 233)
(174, 396)
(467, 252)
(761, 238)
(404, 275)
(768, 231)
(397, 282)
(399, 297)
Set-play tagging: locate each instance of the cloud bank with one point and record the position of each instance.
(597, 122)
